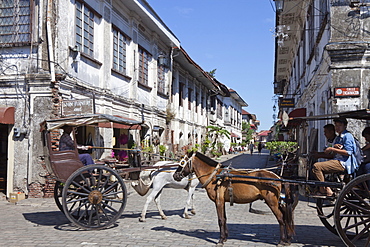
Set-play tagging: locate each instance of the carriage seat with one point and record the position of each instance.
(64, 163)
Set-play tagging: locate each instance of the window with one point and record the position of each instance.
(219, 108)
(311, 28)
(161, 79)
(119, 51)
(85, 28)
(190, 97)
(202, 104)
(144, 58)
(181, 94)
(15, 22)
(196, 102)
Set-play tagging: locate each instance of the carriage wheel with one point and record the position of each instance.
(58, 191)
(94, 197)
(325, 211)
(352, 211)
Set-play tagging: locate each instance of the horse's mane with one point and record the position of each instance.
(206, 159)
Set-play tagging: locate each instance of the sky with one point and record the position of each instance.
(235, 37)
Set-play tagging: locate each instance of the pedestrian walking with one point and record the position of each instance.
(260, 146)
(251, 147)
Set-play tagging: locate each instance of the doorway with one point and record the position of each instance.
(4, 132)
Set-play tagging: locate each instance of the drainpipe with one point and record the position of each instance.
(50, 43)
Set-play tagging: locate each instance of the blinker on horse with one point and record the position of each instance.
(240, 186)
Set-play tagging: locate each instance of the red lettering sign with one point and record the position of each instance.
(347, 92)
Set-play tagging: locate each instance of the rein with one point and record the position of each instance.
(211, 176)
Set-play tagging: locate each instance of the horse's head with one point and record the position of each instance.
(184, 169)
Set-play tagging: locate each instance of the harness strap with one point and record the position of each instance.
(212, 175)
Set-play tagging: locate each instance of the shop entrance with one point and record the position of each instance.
(4, 132)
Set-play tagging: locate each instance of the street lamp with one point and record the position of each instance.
(162, 59)
(279, 4)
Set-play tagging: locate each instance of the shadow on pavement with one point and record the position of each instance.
(253, 233)
(50, 218)
(153, 214)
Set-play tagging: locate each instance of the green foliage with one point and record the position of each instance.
(162, 150)
(281, 147)
(247, 131)
(205, 145)
(212, 73)
(217, 133)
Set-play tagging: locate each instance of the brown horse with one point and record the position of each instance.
(228, 185)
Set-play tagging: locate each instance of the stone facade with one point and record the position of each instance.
(322, 45)
(118, 55)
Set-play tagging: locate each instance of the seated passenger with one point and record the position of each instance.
(344, 147)
(365, 165)
(66, 143)
(329, 133)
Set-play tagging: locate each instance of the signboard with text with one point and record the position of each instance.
(341, 92)
(77, 107)
(283, 102)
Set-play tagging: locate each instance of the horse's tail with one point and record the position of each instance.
(290, 202)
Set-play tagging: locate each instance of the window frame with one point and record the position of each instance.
(144, 58)
(85, 37)
(119, 55)
(17, 40)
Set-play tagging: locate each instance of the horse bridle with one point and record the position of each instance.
(183, 163)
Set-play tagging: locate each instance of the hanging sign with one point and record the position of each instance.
(283, 102)
(77, 107)
(341, 92)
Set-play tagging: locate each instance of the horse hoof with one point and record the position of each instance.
(142, 220)
(192, 211)
(164, 217)
(281, 243)
(187, 217)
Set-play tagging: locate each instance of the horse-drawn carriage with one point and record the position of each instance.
(346, 214)
(92, 196)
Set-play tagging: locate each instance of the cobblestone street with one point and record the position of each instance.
(38, 222)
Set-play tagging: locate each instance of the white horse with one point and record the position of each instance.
(164, 177)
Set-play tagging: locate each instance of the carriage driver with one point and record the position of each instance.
(343, 148)
(66, 143)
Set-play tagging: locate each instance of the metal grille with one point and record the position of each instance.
(119, 51)
(144, 58)
(15, 22)
(84, 28)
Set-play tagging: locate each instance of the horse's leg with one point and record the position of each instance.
(188, 202)
(273, 202)
(192, 204)
(148, 200)
(157, 201)
(221, 214)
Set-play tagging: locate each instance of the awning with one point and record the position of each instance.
(296, 113)
(299, 112)
(101, 120)
(119, 125)
(7, 115)
(234, 135)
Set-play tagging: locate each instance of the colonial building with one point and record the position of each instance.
(321, 63)
(61, 58)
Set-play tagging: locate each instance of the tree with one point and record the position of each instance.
(212, 73)
(247, 131)
(217, 133)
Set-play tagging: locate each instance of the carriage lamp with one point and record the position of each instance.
(279, 4)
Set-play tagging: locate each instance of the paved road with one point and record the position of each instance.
(38, 222)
